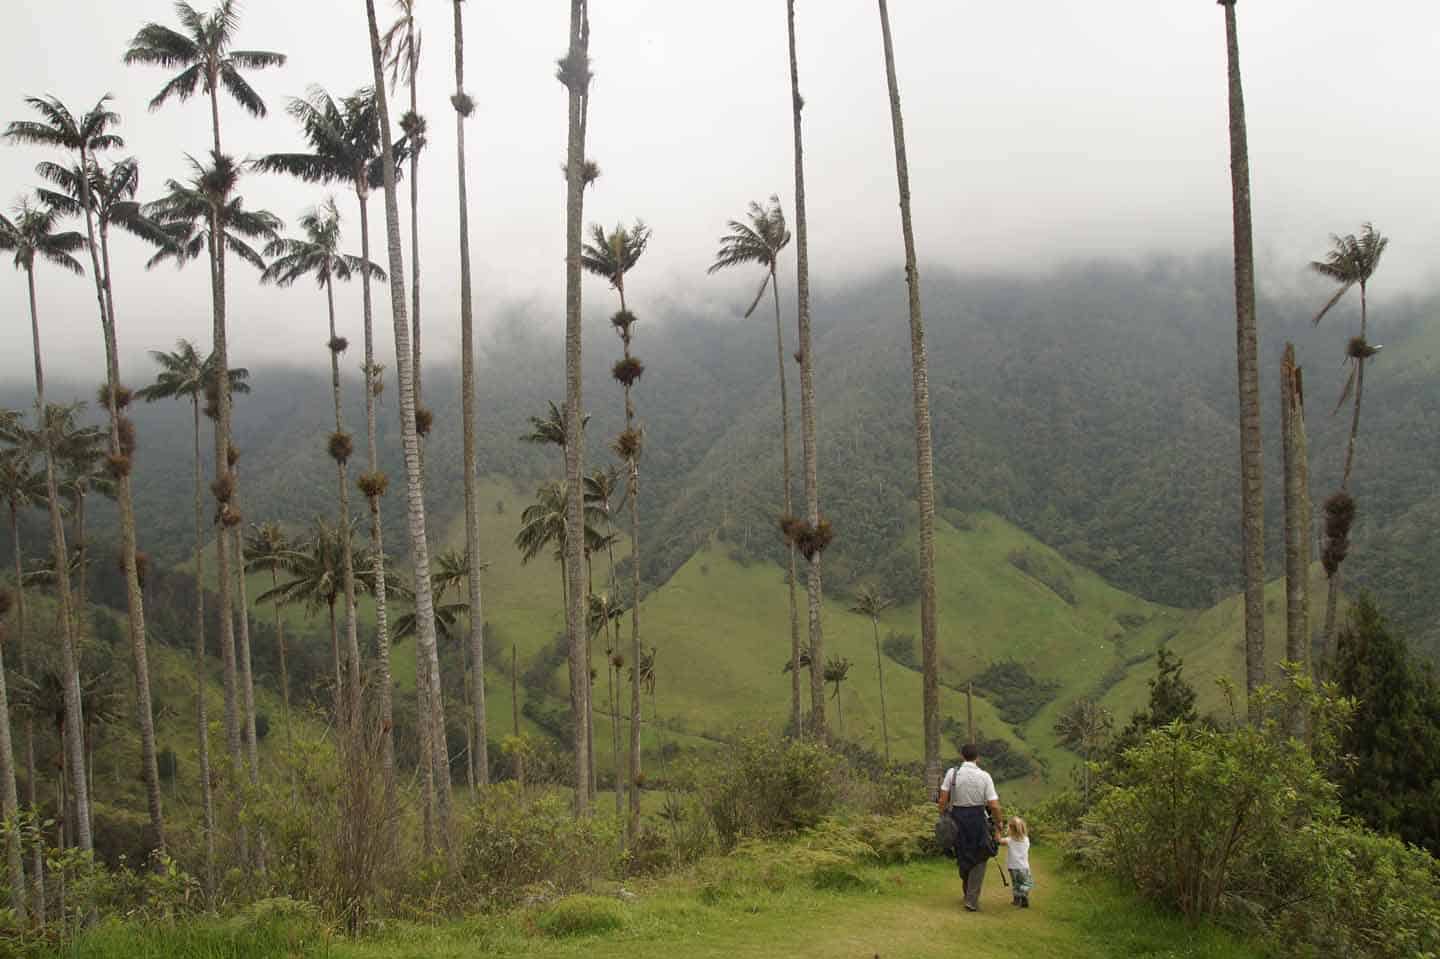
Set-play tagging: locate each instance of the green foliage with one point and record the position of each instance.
(1394, 784)
(1045, 570)
(765, 786)
(581, 916)
(1015, 692)
(514, 843)
(901, 648)
(1172, 699)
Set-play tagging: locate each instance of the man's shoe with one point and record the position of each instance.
(970, 908)
(1024, 902)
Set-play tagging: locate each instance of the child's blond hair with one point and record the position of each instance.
(1018, 829)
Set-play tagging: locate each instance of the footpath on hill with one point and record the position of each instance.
(900, 912)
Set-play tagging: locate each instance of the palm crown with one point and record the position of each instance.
(759, 242)
(112, 197)
(317, 254)
(401, 44)
(185, 212)
(1351, 262)
(870, 602)
(202, 49)
(344, 139)
(614, 254)
(86, 134)
(31, 235)
(184, 374)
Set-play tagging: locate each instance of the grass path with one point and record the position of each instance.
(907, 912)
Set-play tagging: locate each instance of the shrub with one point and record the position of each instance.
(764, 786)
(1016, 694)
(581, 916)
(901, 648)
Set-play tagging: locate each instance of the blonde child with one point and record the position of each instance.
(1017, 859)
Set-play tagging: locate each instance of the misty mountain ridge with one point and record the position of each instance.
(1093, 406)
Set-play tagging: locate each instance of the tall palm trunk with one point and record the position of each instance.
(807, 398)
(577, 78)
(632, 488)
(347, 554)
(924, 453)
(74, 750)
(415, 230)
(613, 631)
(377, 532)
(1332, 591)
(1252, 492)
(284, 665)
(467, 403)
(201, 713)
(247, 673)
(428, 658)
(37, 868)
(797, 718)
(10, 800)
(135, 598)
(880, 674)
(1297, 511)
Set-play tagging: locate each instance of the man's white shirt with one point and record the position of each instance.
(969, 785)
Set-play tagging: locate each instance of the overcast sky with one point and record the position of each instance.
(1039, 132)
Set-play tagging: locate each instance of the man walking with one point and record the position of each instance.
(966, 794)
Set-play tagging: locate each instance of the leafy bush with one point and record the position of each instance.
(581, 916)
(514, 843)
(901, 648)
(1045, 571)
(1016, 694)
(764, 786)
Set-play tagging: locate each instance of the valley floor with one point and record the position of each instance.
(902, 912)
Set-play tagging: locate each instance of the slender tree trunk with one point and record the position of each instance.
(415, 239)
(74, 718)
(377, 532)
(347, 554)
(468, 412)
(924, 453)
(632, 484)
(428, 657)
(202, 719)
(247, 672)
(797, 717)
(133, 593)
(1297, 505)
(807, 398)
(577, 78)
(284, 667)
(341, 713)
(612, 630)
(10, 800)
(37, 868)
(1252, 492)
(225, 476)
(884, 716)
(1332, 593)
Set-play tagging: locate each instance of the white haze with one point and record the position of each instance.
(1038, 133)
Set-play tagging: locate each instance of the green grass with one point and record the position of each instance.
(899, 912)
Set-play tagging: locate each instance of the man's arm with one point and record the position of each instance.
(944, 800)
(996, 817)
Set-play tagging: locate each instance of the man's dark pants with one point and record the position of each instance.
(972, 850)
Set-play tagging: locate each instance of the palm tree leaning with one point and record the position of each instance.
(612, 256)
(202, 50)
(812, 534)
(574, 74)
(400, 48)
(318, 255)
(31, 236)
(429, 657)
(85, 135)
(1351, 262)
(206, 214)
(183, 376)
(924, 447)
(344, 141)
(464, 106)
(760, 242)
(1252, 487)
(870, 603)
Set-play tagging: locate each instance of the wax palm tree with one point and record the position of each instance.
(1252, 506)
(202, 49)
(184, 375)
(1351, 262)
(31, 236)
(429, 655)
(924, 447)
(837, 671)
(870, 603)
(1298, 521)
(79, 453)
(550, 429)
(401, 47)
(1084, 726)
(759, 242)
(344, 147)
(318, 255)
(463, 105)
(267, 549)
(205, 213)
(611, 256)
(574, 74)
(812, 534)
(16, 481)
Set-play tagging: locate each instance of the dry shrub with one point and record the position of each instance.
(340, 446)
(811, 541)
(126, 428)
(338, 344)
(424, 420)
(117, 465)
(373, 484)
(627, 445)
(223, 488)
(123, 396)
(232, 454)
(622, 321)
(628, 371)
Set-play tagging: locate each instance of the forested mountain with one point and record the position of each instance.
(1092, 406)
